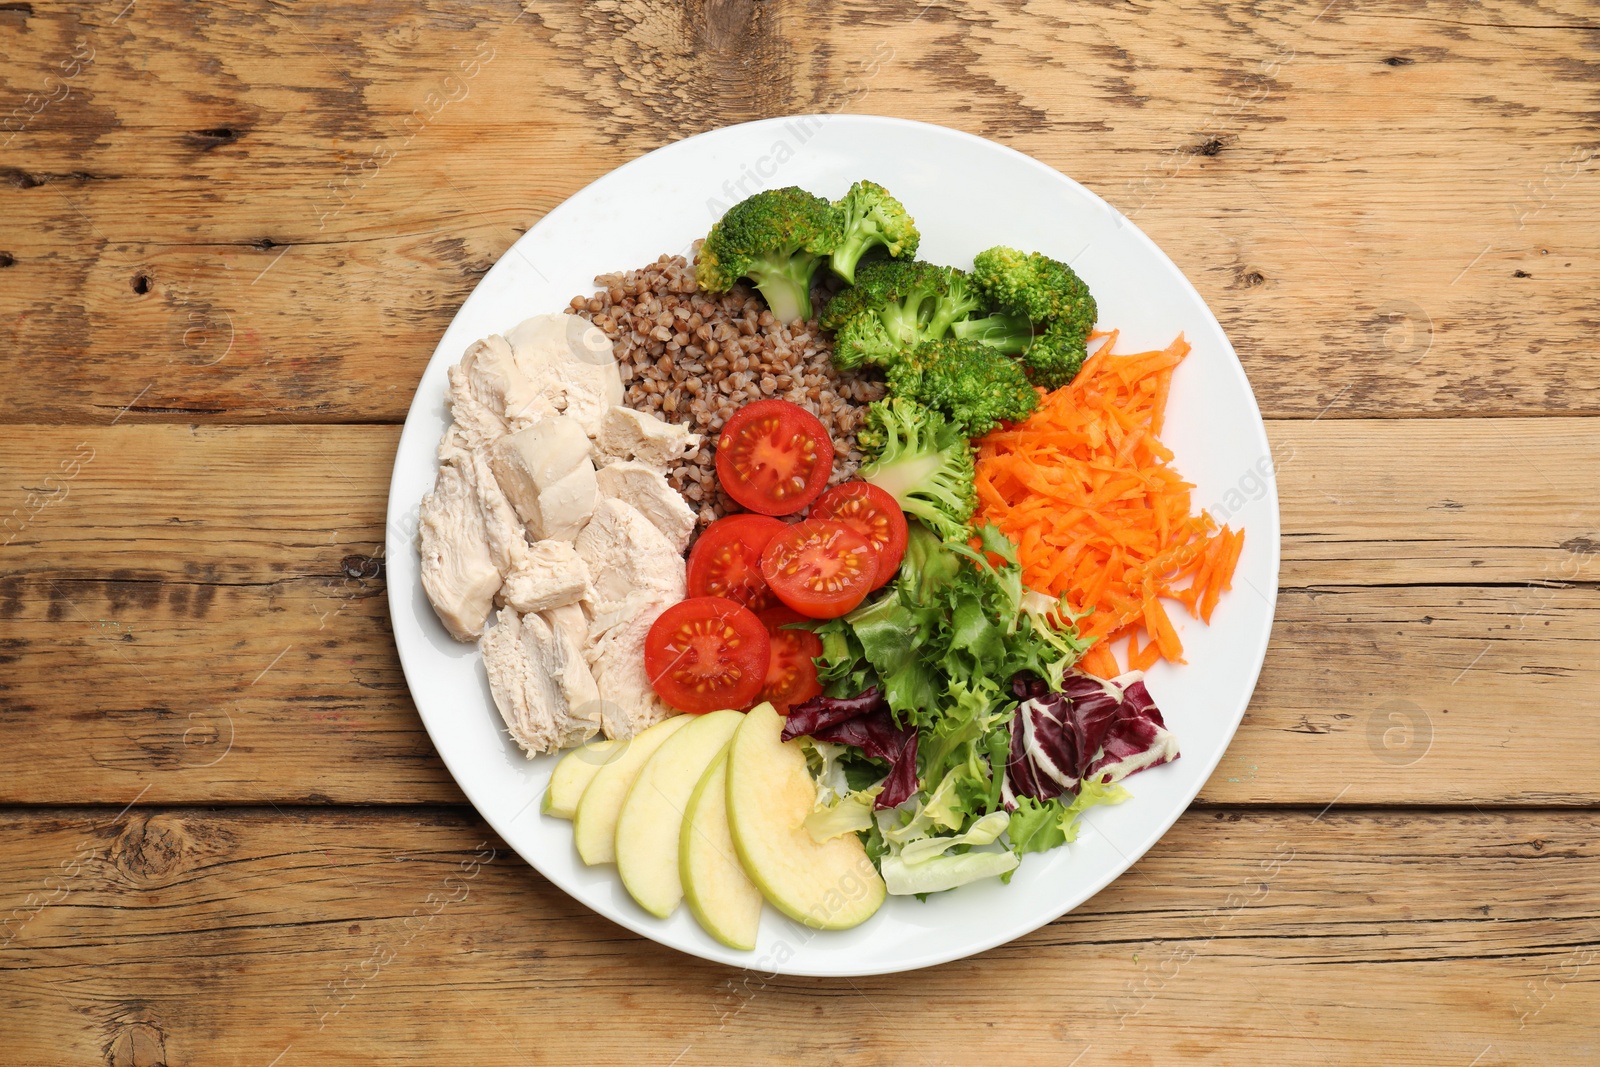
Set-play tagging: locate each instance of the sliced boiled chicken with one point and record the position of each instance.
(615, 653)
(489, 382)
(508, 543)
(477, 422)
(458, 572)
(525, 661)
(470, 538)
(546, 474)
(626, 434)
(628, 558)
(550, 574)
(647, 490)
(571, 629)
(571, 362)
(583, 559)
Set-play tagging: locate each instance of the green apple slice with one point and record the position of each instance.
(594, 826)
(573, 775)
(720, 895)
(652, 815)
(830, 885)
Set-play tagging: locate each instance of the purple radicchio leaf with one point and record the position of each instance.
(1137, 739)
(863, 722)
(1104, 729)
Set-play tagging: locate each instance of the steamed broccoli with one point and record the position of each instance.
(777, 239)
(924, 462)
(1047, 295)
(894, 306)
(1011, 334)
(961, 298)
(976, 386)
(868, 217)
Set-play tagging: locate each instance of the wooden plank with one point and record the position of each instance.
(170, 622)
(1435, 639)
(309, 199)
(1244, 937)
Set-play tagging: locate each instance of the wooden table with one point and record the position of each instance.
(231, 239)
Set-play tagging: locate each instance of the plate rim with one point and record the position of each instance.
(397, 508)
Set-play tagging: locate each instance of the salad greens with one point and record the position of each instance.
(939, 649)
(947, 636)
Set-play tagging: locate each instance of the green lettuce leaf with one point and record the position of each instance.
(983, 832)
(943, 872)
(1038, 826)
(851, 814)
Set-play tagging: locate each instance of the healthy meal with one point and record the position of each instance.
(815, 554)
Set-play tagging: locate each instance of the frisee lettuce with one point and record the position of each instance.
(1040, 825)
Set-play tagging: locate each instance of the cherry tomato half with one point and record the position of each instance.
(774, 457)
(707, 653)
(819, 568)
(873, 514)
(791, 672)
(726, 561)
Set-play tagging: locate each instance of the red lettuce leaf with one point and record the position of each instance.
(1092, 728)
(862, 722)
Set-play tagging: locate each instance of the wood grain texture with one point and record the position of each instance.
(232, 238)
(1436, 637)
(414, 936)
(1383, 204)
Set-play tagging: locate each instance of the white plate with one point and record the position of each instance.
(966, 194)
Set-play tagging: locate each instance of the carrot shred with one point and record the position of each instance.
(1099, 661)
(1141, 659)
(1166, 638)
(1086, 488)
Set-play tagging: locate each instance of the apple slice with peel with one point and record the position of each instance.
(720, 895)
(830, 885)
(652, 815)
(573, 775)
(594, 826)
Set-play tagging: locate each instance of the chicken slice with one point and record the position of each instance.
(490, 377)
(565, 508)
(539, 456)
(496, 529)
(584, 707)
(628, 557)
(547, 476)
(629, 434)
(549, 575)
(525, 660)
(571, 363)
(615, 652)
(508, 543)
(475, 421)
(458, 571)
(647, 490)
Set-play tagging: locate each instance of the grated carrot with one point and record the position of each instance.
(1141, 659)
(1086, 489)
(1100, 662)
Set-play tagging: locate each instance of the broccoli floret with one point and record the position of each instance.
(1048, 294)
(777, 239)
(1055, 356)
(868, 217)
(975, 386)
(864, 339)
(961, 298)
(924, 462)
(1011, 334)
(894, 306)
(902, 292)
